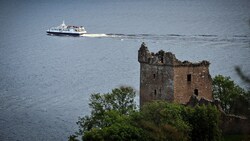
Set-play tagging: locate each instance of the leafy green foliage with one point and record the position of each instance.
(204, 121)
(163, 121)
(121, 99)
(114, 117)
(234, 99)
(119, 129)
(107, 110)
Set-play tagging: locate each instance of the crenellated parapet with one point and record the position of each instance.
(164, 58)
(160, 58)
(190, 64)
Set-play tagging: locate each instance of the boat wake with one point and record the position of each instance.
(94, 35)
(155, 37)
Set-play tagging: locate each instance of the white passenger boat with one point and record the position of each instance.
(67, 30)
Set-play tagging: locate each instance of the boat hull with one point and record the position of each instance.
(65, 33)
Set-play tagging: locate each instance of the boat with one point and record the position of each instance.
(64, 29)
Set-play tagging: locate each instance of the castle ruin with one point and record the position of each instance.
(164, 77)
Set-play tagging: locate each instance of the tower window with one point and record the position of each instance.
(189, 77)
(155, 92)
(161, 59)
(196, 92)
(154, 75)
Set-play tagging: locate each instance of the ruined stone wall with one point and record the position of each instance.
(164, 77)
(192, 79)
(156, 76)
(232, 124)
(156, 83)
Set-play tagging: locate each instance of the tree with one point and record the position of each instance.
(204, 121)
(120, 128)
(107, 110)
(114, 117)
(162, 121)
(234, 99)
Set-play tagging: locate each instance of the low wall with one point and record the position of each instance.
(230, 124)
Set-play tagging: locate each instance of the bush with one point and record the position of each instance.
(234, 99)
(114, 117)
(163, 121)
(205, 121)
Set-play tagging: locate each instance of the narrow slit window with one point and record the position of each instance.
(161, 59)
(189, 77)
(154, 75)
(196, 92)
(155, 92)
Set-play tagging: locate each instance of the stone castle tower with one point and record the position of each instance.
(163, 77)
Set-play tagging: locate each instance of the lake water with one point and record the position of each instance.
(45, 81)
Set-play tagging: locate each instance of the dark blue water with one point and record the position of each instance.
(45, 81)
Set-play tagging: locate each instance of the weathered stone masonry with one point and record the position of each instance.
(163, 77)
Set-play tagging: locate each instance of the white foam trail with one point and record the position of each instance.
(94, 35)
